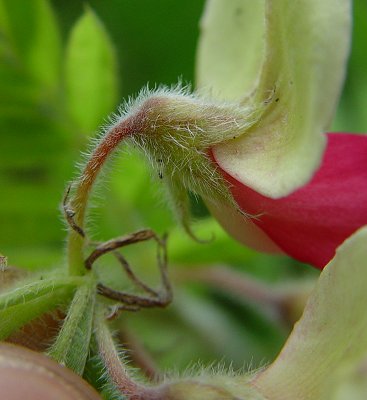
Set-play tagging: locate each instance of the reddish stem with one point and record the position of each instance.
(116, 370)
(128, 126)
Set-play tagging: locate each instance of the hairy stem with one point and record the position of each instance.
(83, 186)
(116, 370)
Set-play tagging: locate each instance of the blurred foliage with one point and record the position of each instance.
(352, 116)
(62, 71)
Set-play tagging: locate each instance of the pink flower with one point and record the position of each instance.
(303, 192)
(310, 223)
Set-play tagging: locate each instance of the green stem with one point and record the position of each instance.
(103, 150)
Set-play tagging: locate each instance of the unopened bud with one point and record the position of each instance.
(211, 388)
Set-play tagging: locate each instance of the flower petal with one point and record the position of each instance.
(313, 221)
(330, 340)
(306, 47)
(231, 48)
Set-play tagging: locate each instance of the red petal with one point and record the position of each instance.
(313, 221)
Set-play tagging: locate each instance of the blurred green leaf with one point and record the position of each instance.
(34, 131)
(44, 57)
(91, 72)
(351, 115)
(34, 43)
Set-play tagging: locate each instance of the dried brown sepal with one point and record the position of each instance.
(132, 302)
(117, 243)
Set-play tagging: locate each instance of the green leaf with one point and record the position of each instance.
(21, 305)
(44, 58)
(91, 72)
(32, 39)
(15, 317)
(72, 344)
(329, 342)
(33, 290)
(4, 27)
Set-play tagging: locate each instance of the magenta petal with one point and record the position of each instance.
(313, 221)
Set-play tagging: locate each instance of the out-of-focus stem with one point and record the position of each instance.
(284, 302)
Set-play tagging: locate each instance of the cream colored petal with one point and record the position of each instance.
(307, 43)
(329, 342)
(231, 48)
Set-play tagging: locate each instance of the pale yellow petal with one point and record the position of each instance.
(307, 43)
(231, 48)
(329, 342)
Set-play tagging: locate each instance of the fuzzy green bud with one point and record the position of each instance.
(215, 387)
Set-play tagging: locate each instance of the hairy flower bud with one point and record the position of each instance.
(177, 130)
(217, 387)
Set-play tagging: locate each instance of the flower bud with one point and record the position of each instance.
(210, 388)
(33, 376)
(177, 130)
